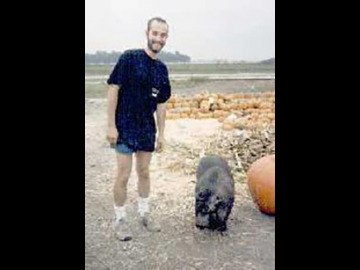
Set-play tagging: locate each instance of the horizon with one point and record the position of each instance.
(193, 60)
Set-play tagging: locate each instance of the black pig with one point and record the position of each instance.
(214, 193)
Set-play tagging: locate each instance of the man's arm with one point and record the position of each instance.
(160, 119)
(112, 133)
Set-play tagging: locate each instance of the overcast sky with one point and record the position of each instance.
(202, 29)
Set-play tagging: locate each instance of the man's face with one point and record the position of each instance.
(157, 36)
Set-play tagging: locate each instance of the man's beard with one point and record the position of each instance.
(150, 46)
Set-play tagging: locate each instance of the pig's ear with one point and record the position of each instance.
(203, 194)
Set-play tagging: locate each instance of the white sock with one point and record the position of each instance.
(119, 212)
(143, 204)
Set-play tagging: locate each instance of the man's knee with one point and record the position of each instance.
(143, 172)
(123, 176)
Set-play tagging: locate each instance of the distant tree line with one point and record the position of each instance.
(270, 61)
(102, 57)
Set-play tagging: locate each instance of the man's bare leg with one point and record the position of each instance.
(142, 168)
(120, 195)
(123, 175)
(143, 171)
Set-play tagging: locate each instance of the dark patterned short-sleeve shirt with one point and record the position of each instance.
(144, 83)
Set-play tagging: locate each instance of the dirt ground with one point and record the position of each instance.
(249, 244)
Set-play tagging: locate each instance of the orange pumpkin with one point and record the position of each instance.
(261, 182)
(221, 119)
(194, 110)
(218, 113)
(215, 107)
(220, 101)
(227, 127)
(184, 115)
(172, 99)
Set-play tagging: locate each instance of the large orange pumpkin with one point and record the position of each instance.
(261, 182)
(227, 127)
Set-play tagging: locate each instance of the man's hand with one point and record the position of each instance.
(112, 135)
(160, 144)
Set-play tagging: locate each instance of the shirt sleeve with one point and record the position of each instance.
(165, 89)
(119, 74)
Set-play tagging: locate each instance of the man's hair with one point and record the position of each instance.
(158, 19)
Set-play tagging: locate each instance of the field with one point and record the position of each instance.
(95, 86)
(250, 241)
(195, 69)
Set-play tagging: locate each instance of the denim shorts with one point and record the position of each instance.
(123, 149)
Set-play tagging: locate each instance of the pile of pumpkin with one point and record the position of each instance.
(235, 111)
